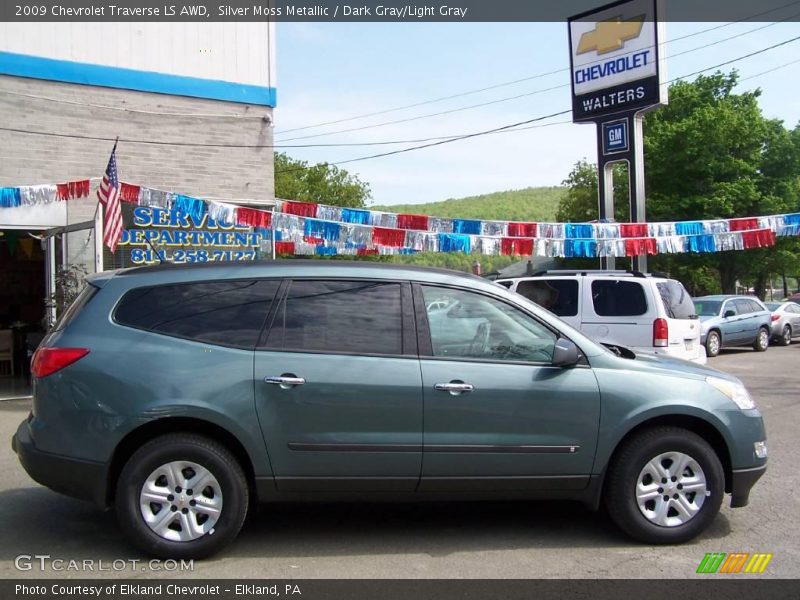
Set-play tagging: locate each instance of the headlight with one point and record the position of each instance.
(733, 390)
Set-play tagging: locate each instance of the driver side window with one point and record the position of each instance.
(468, 325)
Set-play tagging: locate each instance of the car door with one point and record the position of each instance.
(498, 415)
(749, 320)
(730, 325)
(793, 312)
(338, 387)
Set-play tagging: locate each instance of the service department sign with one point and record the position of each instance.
(615, 59)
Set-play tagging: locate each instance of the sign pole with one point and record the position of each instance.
(616, 62)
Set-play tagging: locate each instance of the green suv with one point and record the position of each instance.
(180, 395)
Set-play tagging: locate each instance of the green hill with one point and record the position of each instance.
(529, 204)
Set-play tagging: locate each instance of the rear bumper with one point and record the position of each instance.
(81, 479)
(742, 481)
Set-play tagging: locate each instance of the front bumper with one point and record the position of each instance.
(742, 481)
(81, 479)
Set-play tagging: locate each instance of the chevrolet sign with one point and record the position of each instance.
(615, 59)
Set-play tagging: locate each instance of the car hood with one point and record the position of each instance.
(676, 367)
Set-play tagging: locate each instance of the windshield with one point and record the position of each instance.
(707, 308)
(773, 306)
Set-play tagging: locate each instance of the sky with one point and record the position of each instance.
(333, 71)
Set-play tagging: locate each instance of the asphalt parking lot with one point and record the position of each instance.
(445, 540)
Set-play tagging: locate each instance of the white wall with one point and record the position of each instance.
(234, 52)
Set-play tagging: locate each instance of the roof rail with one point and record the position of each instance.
(590, 272)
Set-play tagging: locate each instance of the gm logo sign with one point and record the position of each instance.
(734, 562)
(615, 137)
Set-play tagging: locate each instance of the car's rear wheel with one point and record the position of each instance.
(713, 343)
(665, 486)
(786, 336)
(181, 496)
(761, 342)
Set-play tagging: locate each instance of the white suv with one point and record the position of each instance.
(643, 312)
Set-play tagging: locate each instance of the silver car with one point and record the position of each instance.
(785, 321)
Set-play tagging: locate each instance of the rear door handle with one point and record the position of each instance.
(454, 387)
(285, 381)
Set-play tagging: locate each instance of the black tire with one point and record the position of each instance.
(623, 478)
(713, 343)
(203, 451)
(761, 342)
(786, 336)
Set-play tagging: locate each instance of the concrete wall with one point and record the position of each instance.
(70, 109)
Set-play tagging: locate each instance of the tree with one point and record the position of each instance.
(580, 203)
(711, 154)
(323, 183)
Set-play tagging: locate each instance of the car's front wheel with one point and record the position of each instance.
(665, 486)
(713, 343)
(762, 340)
(181, 496)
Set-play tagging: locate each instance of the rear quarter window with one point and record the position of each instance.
(677, 301)
(617, 298)
(226, 313)
(76, 307)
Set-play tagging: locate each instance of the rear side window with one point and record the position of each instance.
(559, 296)
(615, 298)
(505, 284)
(677, 301)
(744, 306)
(228, 313)
(76, 307)
(360, 317)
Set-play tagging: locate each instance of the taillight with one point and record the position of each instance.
(660, 333)
(774, 317)
(47, 361)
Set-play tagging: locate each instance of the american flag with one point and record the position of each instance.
(108, 194)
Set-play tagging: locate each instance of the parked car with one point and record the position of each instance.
(733, 321)
(641, 312)
(785, 321)
(179, 393)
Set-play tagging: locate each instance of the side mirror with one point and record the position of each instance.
(729, 313)
(565, 353)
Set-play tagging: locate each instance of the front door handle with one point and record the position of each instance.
(286, 382)
(454, 387)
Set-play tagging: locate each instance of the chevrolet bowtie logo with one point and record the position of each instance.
(611, 34)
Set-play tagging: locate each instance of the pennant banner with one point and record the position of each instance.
(309, 228)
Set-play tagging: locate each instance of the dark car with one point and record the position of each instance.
(733, 321)
(178, 394)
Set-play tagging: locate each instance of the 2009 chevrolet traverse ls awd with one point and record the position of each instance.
(179, 394)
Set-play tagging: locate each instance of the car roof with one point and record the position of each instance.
(726, 297)
(168, 272)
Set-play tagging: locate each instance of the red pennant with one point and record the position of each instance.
(301, 209)
(284, 247)
(760, 238)
(129, 193)
(640, 246)
(516, 246)
(418, 222)
(633, 230)
(252, 217)
(522, 230)
(382, 236)
(743, 224)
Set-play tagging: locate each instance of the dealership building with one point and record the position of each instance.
(192, 105)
